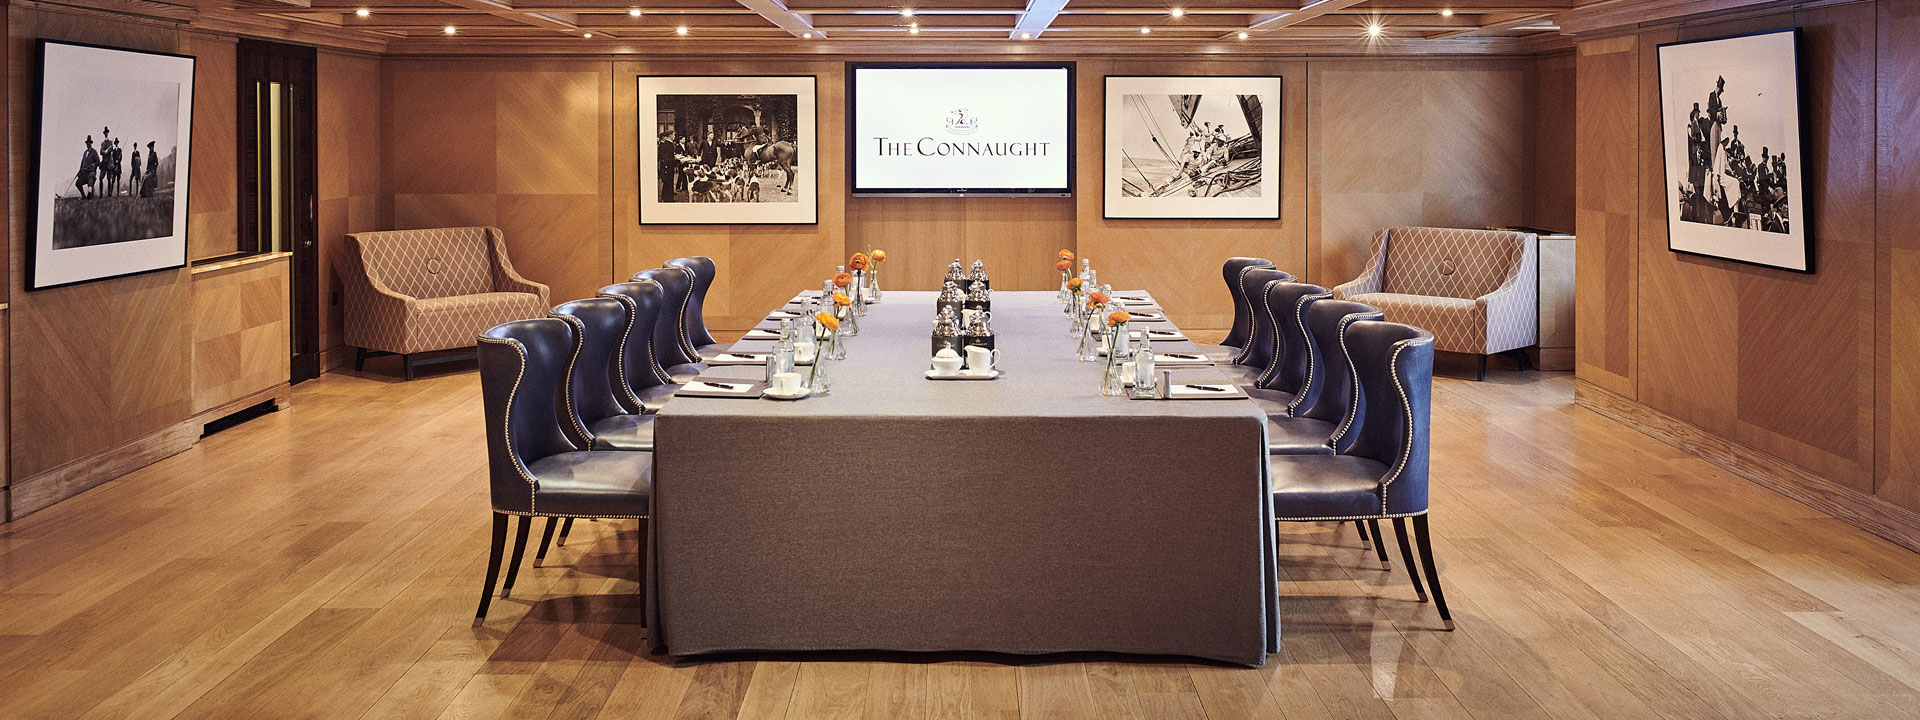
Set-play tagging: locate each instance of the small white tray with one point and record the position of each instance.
(963, 375)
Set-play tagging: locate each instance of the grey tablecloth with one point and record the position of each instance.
(1027, 514)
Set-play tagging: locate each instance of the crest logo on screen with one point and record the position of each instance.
(960, 123)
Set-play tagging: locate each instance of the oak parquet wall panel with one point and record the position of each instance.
(349, 169)
(240, 329)
(1606, 216)
(212, 229)
(1553, 133)
(109, 360)
(442, 133)
(1399, 142)
(1897, 113)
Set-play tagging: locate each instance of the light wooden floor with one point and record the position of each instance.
(324, 561)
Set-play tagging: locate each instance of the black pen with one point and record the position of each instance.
(1208, 388)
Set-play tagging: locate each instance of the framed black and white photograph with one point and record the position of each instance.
(1192, 147)
(1730, 126)
(727, 150)
(115, 129)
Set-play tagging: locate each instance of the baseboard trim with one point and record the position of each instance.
(1897, 524)
(33, 494)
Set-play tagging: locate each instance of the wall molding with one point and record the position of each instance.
(29, 495)
(1894, 523)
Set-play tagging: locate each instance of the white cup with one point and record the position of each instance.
(980, 360)
(786, 383)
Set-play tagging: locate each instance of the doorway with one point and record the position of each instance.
(278, 200)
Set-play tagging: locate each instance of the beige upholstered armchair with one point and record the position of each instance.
(1477, 291)
(416, 291)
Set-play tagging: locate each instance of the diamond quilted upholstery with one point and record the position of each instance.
(410, 291)
(1477, 291)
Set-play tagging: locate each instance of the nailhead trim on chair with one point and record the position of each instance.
(1240, 284)
(1406, 451)
(686, 342)
(1353, 404)
(633, 309)
(566, 380)
(572, 515)
(533, 486)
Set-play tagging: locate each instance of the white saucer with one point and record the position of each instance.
(779, 396)
(962, 375)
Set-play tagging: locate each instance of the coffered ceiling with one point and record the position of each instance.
(931, 26)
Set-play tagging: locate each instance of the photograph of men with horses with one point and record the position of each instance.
(1730, 119)
(748, 149)
(1199, 151)
(117, 143)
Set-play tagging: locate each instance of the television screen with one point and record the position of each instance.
(960, 129)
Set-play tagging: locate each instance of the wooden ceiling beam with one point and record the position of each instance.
(1038, 17)
(502, 9)
(1275, 21)
(1495, 24)
(776, 12)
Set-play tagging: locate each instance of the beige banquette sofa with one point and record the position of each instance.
(417, 291)
(1477, 291)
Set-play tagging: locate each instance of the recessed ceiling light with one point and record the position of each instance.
(914, 29)
(808, 36)
(1146, 31)
(1026, 36)
(1243, 36)
(633, 12)
(1446, 13)
(362, 12)
(682, 30)
(1177, 12)
(588, 36)
(449, 30)
(1375, 30)
(906, 12)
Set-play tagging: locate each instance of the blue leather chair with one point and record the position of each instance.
(1311, 423)
(1383, 473)
(534, 468)
(1252, 360)
(1285, 377)
(647, 383)
(703, 271)
(671, 346)
(1242, 308)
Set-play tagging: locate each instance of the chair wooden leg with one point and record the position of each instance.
(546, 538)
(1422, 536)
(1406, 558)
(564, 529)
(493, 565)
(1482, 375)
(1379, 543)
(519, 551)
(1365, 541)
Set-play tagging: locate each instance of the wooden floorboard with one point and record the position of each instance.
(324, 561)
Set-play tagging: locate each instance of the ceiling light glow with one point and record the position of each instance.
(1026, 36)
(1446, 13)
(1375, 29)
(1243, 36)
(914, 29)
(362, 12)
(633, 12)
(906, 12)
(588, 36)
(450, 30)
(1177, 12)
(1146, 31)
(682, 30)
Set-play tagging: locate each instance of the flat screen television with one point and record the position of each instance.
(935, 129)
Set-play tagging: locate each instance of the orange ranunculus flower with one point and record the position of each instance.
(1096, 298)
(1118, 318)
(1064, 265)
(858, 262)
(1074, 283)
(841, 299)
(879, 256)
(827, 320)
(842, 280)
(1066, 254)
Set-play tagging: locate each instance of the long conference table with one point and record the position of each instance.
(1028, 514)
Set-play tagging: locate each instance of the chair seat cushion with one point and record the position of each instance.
(1220, 353)
(683, 373)
(1325, 487)
(656, 396)
(1273, 402)
(594, 484)
(452, 322)
(1299, 436)
(707, 351)
(1243, 374)
(623, 432)
(1458, 324)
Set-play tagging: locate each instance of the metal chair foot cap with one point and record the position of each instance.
(1423, 597)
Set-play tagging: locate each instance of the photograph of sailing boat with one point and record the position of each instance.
(1192, 147)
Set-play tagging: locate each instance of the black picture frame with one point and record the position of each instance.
(810, 197)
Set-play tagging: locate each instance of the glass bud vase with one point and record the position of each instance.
(1079, 326)
(1112, 383)
(858, 291)
(850, 321)
(817, 381)
(1062, 295)
(873, 284)
(839, 343)
(1089, 341)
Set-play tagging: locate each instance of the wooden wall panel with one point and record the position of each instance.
(1017, 238)
(349, 169)
(1897, 103)
(1553, 133)
(514, 143)
(1397, 142)
(240, 330)
(760, 266)
(1606, 213)
(211, 227)
(109, 359)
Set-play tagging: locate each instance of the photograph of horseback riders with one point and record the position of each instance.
(1730, 121)
(727, 150)
(112, 165)
(1193, 147)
